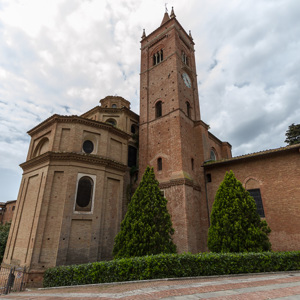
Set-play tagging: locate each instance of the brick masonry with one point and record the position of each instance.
(276, 174)
(50, 228)
(178, 137)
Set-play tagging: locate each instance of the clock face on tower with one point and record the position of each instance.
(187, 80)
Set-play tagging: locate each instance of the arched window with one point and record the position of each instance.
(158, 109)
(84, 194)
(188, 109)
(112, 122)
(212, 155)
(255, 193)
(114, 106)
(159, 164)
(158, 57)
(184, 58)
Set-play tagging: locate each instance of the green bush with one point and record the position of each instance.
(171, 266)
(235, 224)
(4, 231)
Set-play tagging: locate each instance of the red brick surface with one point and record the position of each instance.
(251, 286)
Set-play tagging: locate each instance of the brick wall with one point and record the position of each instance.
(277, 175)
(7, 212)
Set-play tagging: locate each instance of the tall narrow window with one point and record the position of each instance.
(255, 193)
(158, 109)
(132, 128)
(208, 177)
(84, 194)
(188, 109)
(212, 155)
(192, 163)
(132, 155)
(184, 58)
(159, 164)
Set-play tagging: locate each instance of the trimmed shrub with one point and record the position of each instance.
(235, 223)
(171, 266)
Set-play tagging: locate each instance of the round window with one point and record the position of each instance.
(88, 146)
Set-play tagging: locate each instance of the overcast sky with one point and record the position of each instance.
(63, 56)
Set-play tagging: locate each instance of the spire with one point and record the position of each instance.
(172, 15)
(165, 19)
(144, 34)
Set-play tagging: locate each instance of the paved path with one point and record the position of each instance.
(283, 285)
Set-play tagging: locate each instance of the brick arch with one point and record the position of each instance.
(252, 182)
(42, 147)
(157, 48)
(156, 101)
(187, 70)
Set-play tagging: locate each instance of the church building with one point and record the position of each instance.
(81, 171)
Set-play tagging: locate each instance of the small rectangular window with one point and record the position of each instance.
(132, 156)
(208, 177)
(159, 164)
(255, 193)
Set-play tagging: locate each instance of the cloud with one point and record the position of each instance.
(64, 56)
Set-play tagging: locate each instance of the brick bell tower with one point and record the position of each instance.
(171, 130)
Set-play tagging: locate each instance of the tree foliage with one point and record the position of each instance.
(293, 134)
(4, 231)
(147, 227)
(235, 223)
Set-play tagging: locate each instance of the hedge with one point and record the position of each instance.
(171, 266)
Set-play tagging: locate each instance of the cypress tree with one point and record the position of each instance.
(235, 223)
(147, 227)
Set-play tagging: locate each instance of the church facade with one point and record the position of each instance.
(80, 171)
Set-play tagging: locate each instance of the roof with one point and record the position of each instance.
(111, 110)
(7, 202)
(253, 155)
(165, 21)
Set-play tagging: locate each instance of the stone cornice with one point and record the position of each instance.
(50, 156)
(181, 181)
(79, 120)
